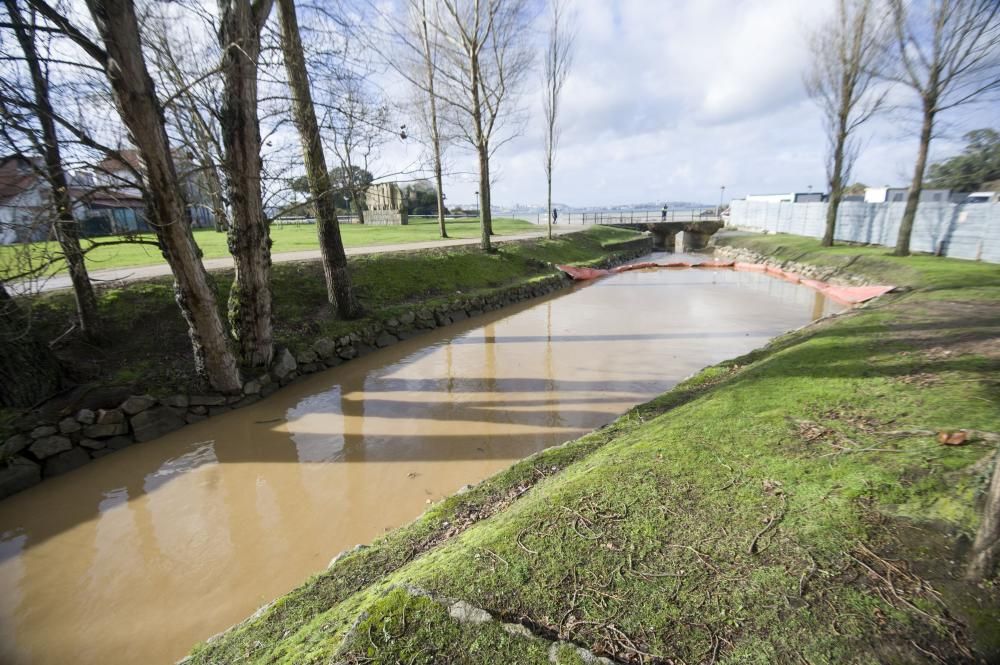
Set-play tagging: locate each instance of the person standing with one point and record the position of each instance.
(663, 213)
(555, 215)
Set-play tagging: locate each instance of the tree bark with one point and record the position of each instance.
(916, 186)
(836, 185)
(137, 103)
(548, 197)
(331, 245)
(986, 548)
(67, 231)
(250, 323)
(29, 372)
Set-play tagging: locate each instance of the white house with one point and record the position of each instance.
(898, 195)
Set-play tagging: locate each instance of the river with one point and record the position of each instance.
(139, 555)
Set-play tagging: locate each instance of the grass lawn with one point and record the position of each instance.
(290, 238)
(789, 506)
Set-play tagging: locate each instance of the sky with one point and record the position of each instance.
(672, 99)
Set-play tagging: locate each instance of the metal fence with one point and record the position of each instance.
(964, 231)
(617, 217)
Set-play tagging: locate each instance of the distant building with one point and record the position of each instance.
(898, 195)
(793, 197)
(771, 198)
(106, 199)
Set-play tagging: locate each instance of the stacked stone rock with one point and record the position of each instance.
(42, 450)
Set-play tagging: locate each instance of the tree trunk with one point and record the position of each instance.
(137, 103)
(240, 24)
(916, 186)
(485, 223)
(435, 134)
(211, 168)
(29, 372)
(67, 230)
(836, 187)
(987, 545)
(548, 198)
(357, 206)
(331, 246)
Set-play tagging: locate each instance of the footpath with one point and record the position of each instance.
(125, 275)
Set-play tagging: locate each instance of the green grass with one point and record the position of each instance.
(159, 361)
(14, 258)
(757, 513)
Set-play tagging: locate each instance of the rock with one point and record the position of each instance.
(110, 416)
(348, 352)
(246, 401)
(86, 417)
(518, 630)
(311, 368)
(218, 410)
(14, 445)
(103, 452)
(325, 348)
(176, 401)
(459, 315)
(19, 474)
(334, 361)
(406, 318)
(425, 314)
(442, 319)
(136, 404)
(119, 442)
(69, 425)
(100, 431)
(385, 339)
(251, 387)
(93, 444)
(344, 341)
(284, 364)
(207, 400)
(233, 399)
(466, 613)
(392, 323)
(155, 422)
(193, 418)
(49, 446)
(269, 389)
(306, 357)
(66, 461)
(43, 431)
(199, 410)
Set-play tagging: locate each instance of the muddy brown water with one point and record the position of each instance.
(139, 555)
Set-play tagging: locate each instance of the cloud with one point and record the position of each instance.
(671, 100)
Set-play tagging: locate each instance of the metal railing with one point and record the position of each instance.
(621, 217)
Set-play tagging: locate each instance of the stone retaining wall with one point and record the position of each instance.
(41, 449)
(833, 274)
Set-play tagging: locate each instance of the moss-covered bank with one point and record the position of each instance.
(791, 505)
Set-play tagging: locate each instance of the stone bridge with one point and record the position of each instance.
(675, 236)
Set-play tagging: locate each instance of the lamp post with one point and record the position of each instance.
(476, 194)
(722, 195)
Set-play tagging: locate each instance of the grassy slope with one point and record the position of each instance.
(285, 239)
(160, 360)
(737, 518)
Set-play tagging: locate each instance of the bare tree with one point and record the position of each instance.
(558, 58)
(135, 96)
(240, 26)
(848, 54)
(485, 56)
(338, 279)
(419, 24)
(948, 53)
(359, 127)
(66, 229)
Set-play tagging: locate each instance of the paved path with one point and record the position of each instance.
(139, 273)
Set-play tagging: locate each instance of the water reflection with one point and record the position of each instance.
(139, 555)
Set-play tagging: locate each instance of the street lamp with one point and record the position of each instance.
(722, 195)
